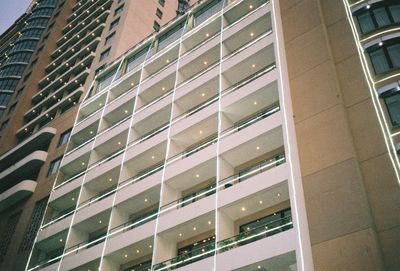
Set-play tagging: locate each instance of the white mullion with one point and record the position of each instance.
(123, 158)
(168, 141)
(217, 177)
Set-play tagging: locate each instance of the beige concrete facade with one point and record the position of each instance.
(350, 186)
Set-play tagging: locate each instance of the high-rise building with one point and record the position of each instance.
(49, 58)
(244, 135)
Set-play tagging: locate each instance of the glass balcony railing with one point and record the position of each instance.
(146, 266)
(197, 254)
(87, 243)
(196, 148)
(193, 197)
(253, 170)
(144, 173)
(136, 221)
(261, 231)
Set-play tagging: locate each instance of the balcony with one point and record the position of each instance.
(16, 193)
(25, 168)
(38, 141)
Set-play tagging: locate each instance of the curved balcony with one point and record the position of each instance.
(16, 193)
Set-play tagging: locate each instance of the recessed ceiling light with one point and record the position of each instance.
(163, 88)
(83, 163)
(132, 84)
(259, 267)
(145, 199)
(194, 228)
(137, 251)
(257, 147)
(119, 142)
(207, 35)
(167, 60)
(209, 222)
(126, 255)
(253, 65)
(255, 103)
(200, 131)
(251, 7)
(205, 62)
(279, 194)
(197, 175)
(203, 94)
(261, 202)
(251, 34)
(152, 157)
(150, 246)
(368, 6)
(243, 209)
(126, 111)
(110, 179)
(380, 43)
(99, 221)
(180, 235)
(61, 239)
(73, 199)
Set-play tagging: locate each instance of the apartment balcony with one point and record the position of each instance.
(46, 254)
(262, 262)
(149, 127)
(74, 167)
(247, 62)
(79, 43)
(120, 254)
(235, 12)
(61, 64)
(159, 66)
(68, 86)
(186, 244)
(201, 35)
(88, 24)
(109, 168)
(141, 162)
(59, 99)
(86, 10)
(199, 62)
(38, 141)
(247, 31)
(153, 91)
(55, 80)
(16, 193)
(61, 207)
(22, 170)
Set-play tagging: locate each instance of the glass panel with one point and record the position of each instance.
(394, 53)
(393, 106)
(136, 59)
(395, 11)
(207, 11)
(381, 17)
(365, 22)
(379, 61)
(171, 36)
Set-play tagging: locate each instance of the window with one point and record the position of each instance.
(156, 26)
(171, 35)
(385, 58)
(114, 23)
(378, 16)
(64, 137)
(34, 225)
(3, 125)
(393, 107)
(159, 13)
(161, 2)
(119, 10)
(12, 108)
(105, 54)
(19, 92)
(109, 39)
(4, 98)
(54, 166)
(7, 234)
(136, 59)
(8, 84)
(207, 11)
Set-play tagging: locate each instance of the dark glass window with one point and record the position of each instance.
(159, 13)
(119, 10)
(64, 137)
(393, 107)
(114, 23)
(385, 58)
(156, 26)
(207, 11)
(12, 108)
(377, 16)
(109, 39)
(105, 54)
(4, 98)
(4, 125)
(161, 2)
(54, 166)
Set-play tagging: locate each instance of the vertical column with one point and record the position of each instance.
(303, 251)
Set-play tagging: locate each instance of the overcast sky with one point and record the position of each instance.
(10, 10)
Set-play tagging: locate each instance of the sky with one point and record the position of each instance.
(10, 10)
